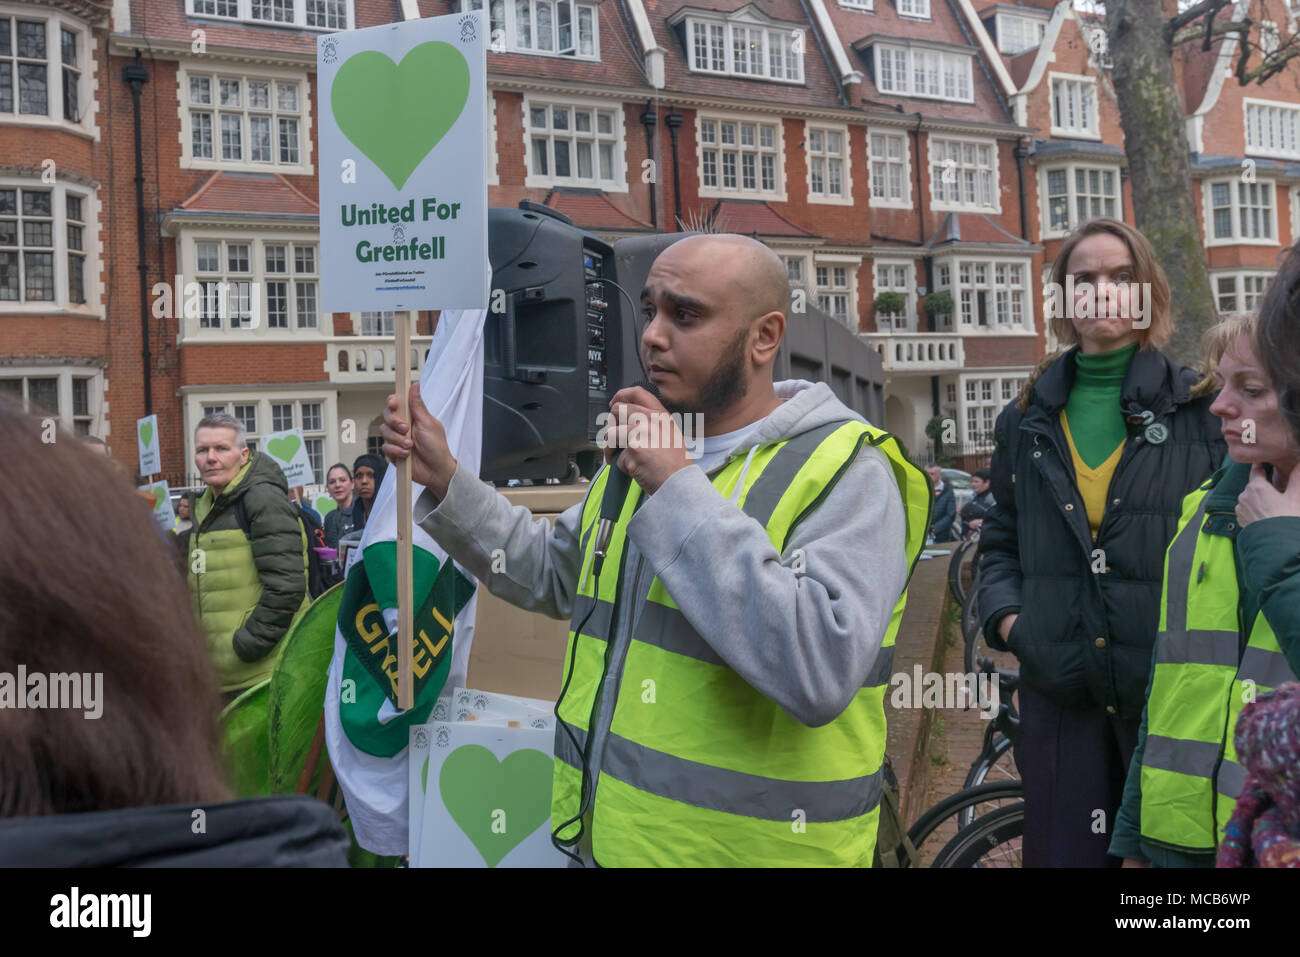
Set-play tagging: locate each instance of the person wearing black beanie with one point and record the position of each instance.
(367, 473)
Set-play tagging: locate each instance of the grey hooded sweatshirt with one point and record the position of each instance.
(803, 628)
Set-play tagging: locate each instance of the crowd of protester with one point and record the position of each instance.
(1139, 555)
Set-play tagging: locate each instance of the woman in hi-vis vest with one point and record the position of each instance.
(1089, 472)
(1230, 625)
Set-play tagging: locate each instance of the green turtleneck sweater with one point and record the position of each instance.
(1095, 421)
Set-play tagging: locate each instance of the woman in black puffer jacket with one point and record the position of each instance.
(1089, 471)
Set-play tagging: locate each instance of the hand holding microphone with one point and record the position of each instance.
(635, 449)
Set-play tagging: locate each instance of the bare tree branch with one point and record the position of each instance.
(1204, 8)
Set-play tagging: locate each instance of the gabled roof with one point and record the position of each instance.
(975, 229)
(266, 195)
(752, 217)
(592, 209)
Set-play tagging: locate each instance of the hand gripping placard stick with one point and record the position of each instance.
(405, 575)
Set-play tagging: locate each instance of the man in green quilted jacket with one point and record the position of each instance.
(247, 556)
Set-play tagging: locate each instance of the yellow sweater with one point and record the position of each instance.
(1093, 483)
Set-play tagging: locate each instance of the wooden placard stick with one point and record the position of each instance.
(405, 568)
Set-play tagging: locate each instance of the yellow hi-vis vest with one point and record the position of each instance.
(714, 773)
(1203, 678)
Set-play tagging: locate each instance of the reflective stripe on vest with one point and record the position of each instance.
(702, 769)
(1190, 777)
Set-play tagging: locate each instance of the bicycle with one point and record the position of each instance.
(997, 757)
(961, 568)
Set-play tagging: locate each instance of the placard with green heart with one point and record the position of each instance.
(496, 803)
(285, 447)
(146, 433)
(396, 113)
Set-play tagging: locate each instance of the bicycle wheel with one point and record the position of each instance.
(960, 570)
(971, 632)
(994, 840)
(942, 822)
(998, 766)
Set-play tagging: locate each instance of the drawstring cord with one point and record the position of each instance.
(740, 482)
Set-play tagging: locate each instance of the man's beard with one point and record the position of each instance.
(726, 385)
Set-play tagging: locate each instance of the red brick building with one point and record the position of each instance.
(905, 146)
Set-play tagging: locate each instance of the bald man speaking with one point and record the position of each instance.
(732, 632)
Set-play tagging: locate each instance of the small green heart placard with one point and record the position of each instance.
(496, 803)
(146, 433)
(285, 447)
(396, 113)
(325, 504)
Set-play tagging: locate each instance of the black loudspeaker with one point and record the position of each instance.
(553, 344)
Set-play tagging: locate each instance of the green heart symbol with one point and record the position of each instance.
(285, 447)
(146, 433)
(396, 114)
(325, 504)
(496, 804)
(159, 496)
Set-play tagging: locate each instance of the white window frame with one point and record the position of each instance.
(989, 289)
(88, 78)
(804, 260)
(618, 184)
(257, 276)
(245, 15)
(851, 265)
(858, 6)
(908, 289)
(913, 9)
(92, 250)
(1295, 214)
(778, 149)
(766, 30)
(96, 404)
(217, 71)
(1253, 148)
(1071, 171)
(1234, 207)
(905, 200)
(845, 195)
(262, 400)
(1035, 25)
(910, 52)
(1239, 278)
(1087, 86)
(989, 407)
(945, 205)
(506, 40)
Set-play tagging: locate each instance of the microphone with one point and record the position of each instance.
(611, 504)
